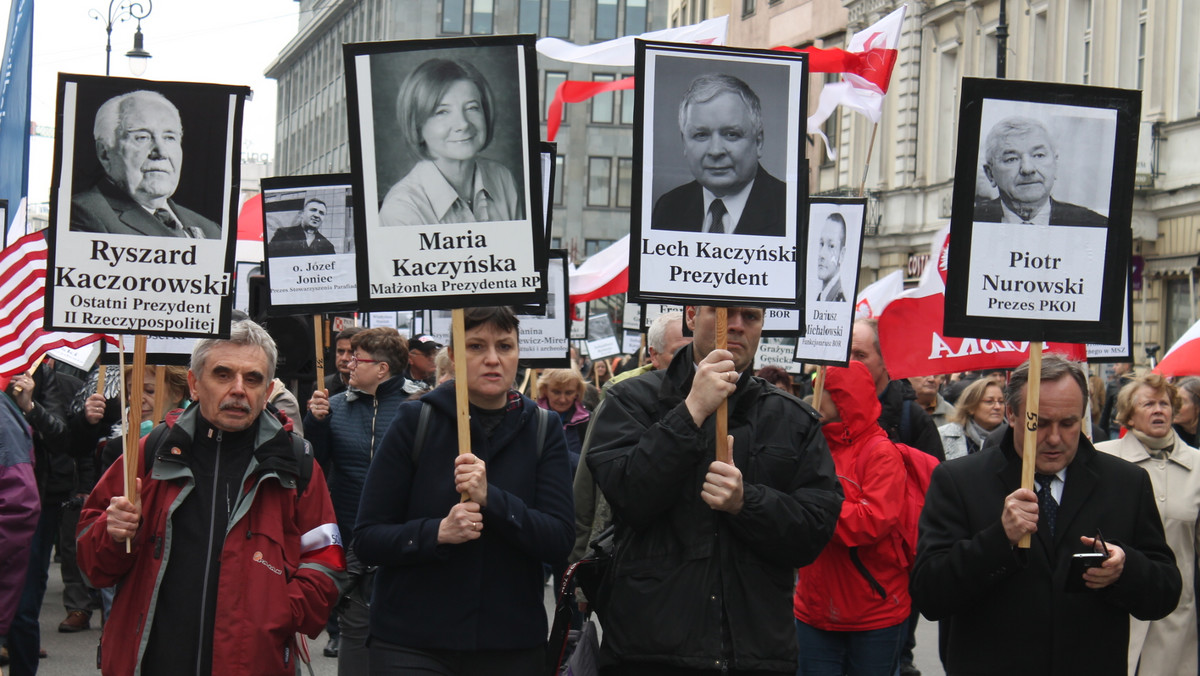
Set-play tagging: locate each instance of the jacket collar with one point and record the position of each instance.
(1129, 448)
(381, 390)
(272, 447)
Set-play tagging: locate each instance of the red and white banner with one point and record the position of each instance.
(22, 301)
(606, 273)
(1183, 359)
(865, 82)
(874, 298)
(912, 341)
(620, 52)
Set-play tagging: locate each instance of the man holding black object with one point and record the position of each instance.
(303, 237)
(139, 143)
(970, 574)
(1022, 164)
(720, 119)
(706, 550)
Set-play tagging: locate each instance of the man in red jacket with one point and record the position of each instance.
(235, 544)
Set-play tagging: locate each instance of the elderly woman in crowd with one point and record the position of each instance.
(978, 413)
(561, 391)
(1188, 413)
(447, 115)
(459, 586)
(1146, 407)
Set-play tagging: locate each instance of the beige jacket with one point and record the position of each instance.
(1168, 646)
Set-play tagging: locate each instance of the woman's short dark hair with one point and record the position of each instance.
(501, 317)
(384, 344)
(422, 91)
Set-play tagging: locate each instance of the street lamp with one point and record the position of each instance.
(117, 13)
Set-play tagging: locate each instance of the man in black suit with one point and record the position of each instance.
(138, 142)
(1005, 610)
(1022, 164)
(720, 119)
(831, 249)
(303, 237)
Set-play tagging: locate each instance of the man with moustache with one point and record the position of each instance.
(720, 120)
(235, 546)
(303, 237)
(706, 550)
(1006, 610)
(139, 144)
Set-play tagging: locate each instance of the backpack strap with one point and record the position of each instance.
(906, 421)
(303, 453)
(422, 431)
(153, 440)
(543, 423)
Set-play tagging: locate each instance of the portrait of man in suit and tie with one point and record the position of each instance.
(1020, 161)
(721, 128)
(831, 250)
(138, 140)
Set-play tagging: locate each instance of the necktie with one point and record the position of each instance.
(166, 218)
(716, 212)
(1047, 505)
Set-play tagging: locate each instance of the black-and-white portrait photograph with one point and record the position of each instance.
(308, 227)
(444, 139)
(137, 159)
(721, 143)
(834, 252)
(544, 337)
(601, 336)
(1043, 196)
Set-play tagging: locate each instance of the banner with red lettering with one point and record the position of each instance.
(914, 344)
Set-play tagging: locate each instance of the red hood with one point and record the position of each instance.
(853, 392)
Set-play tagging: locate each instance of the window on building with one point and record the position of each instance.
(675, 19)
(556, 242)
(481, 16)
(747, 7)
(453, 12)
(1087, 42)
(624, 181)
(595, 246)
(599, 181)
(635, 17)
(554, 78)
(1179, 311)
(627, 101)
(602, 104)
(560, 177)
(529, 19)
(1141, 48)
(606, 19)
(1039, 46)
(558, 19)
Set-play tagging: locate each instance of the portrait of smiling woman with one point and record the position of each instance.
(447, 116)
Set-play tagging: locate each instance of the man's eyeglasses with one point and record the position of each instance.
(354, 361)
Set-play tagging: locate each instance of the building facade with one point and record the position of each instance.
(594, 169)
(1147, 45)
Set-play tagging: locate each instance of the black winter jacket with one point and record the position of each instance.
(690, 586)
(921, 432)
(485, 594)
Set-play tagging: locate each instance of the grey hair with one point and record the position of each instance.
(1054, 367)
(708, 86)
(244, 332)
(108, 117)
(1014, 126)
(656, 335)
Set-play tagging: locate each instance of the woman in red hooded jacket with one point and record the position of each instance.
(852, 603)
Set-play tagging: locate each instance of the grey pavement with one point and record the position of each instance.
(75, 654)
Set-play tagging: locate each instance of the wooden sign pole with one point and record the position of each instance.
(818, 388)
(458, 339)
(133, 425)
(1032, 397)
(100, 373)
(319, 340)
(724, 453)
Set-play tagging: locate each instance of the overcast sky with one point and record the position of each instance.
(222, 41)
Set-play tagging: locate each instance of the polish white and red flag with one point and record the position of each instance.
(1183, 359)
(911, 337)
(872, 300)
(866, 73)
(22, 303)
(605, 273)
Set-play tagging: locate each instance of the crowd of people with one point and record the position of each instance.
(255, 519)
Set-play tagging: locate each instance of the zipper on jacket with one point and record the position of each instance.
(212, 524)
(374, 417)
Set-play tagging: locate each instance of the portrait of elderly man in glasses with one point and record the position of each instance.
(139, 144)
(720, 120)
(1021, 163)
